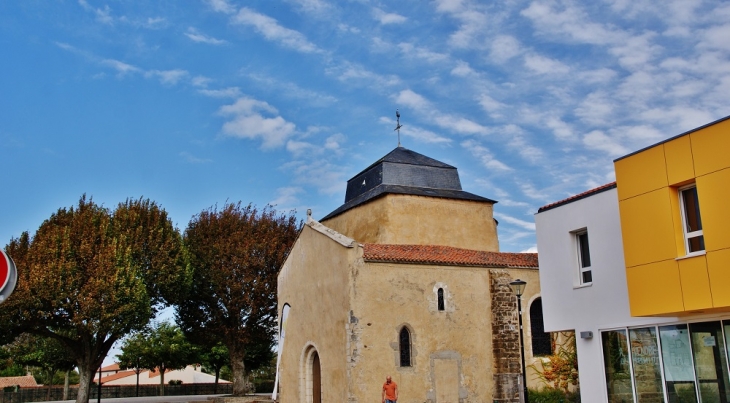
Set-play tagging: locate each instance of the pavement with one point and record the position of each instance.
(150, 399)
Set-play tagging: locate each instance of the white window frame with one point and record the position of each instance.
(694, 234)
(582, 269)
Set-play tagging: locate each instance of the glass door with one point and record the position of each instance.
(710, 362)
(679, 376)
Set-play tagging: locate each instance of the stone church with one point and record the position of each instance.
(405, 279)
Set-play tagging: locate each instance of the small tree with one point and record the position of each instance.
(235, 255)
(47, 354)
(162, 348)
(215, 358)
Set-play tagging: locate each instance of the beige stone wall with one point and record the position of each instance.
(419, 220)
(314, 281)
(452, 357)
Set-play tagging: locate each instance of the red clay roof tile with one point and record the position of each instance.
(24, 381)
(446, 255)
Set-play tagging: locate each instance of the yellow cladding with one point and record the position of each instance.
(678, 154)
(651, 223)
(695, 283)
(710, 148)
(717, 267)
(641, 173)
(713, 191)
(654, 288)
(648, 231)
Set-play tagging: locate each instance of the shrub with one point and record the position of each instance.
(551, 395)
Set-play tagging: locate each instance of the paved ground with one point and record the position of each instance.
(149, 399)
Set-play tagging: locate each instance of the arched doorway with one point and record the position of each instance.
(316, 380)
(311, 378)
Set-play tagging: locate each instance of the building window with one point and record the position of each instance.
(404, 342)
(541, 342)
(441, 299)
(692, 222)
(584, 257)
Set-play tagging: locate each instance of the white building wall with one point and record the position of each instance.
(600, 306)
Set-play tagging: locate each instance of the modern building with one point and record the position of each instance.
(405, 279)
(640, 269)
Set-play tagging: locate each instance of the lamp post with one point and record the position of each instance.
(518, 286)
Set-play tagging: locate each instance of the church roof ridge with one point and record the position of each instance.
(447, 255)
(402, 155)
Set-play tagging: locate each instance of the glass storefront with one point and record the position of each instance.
(683, 363)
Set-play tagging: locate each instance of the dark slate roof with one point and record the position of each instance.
(446, 255)
(403, 171)
(577, 197)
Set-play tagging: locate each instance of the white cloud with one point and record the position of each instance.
(221, 6)
(196, 36)
(201, 81)
(271, 30)
(596, 109)
(286, 196)
(317, 8)
(463, 69)
(248, 122)
(484, 156)
(545, 65)
(409, 50)
(598, 140)
(355, 73)
(503, 48)
(230, 92)
(447, 121)
(531, 249)
(571, 22)
(121, 67)
(388, 18)
(193, 159)
(716, 37)
(168, 77)
(515, 221)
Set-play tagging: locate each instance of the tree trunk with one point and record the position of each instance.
(217, 375)
(65, 386)
(86, 376)
(162, 380)
(240, 386)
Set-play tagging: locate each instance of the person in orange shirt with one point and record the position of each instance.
(390, 391)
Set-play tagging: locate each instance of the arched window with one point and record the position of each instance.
(441, 299)
(541, 342)
(404, 342)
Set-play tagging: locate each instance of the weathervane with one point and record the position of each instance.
(397, 125)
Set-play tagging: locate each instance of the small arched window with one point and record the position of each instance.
(441, 299)
(404, 342)
(541, 341)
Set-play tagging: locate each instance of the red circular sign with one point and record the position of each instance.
(4, 270)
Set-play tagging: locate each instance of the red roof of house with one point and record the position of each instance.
(23, 381)
(112, 367)
(446, 255)
(579, 196)
(118, 375)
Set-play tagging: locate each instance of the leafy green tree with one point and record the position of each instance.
(90, 275)
(44, 353)
(235, 254)
(214, 359)
(162, 348)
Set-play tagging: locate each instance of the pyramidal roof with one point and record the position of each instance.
(403, 171)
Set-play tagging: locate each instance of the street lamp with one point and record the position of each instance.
(518, 286)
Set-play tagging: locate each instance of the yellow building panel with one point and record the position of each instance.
(678, 155)
(695, 283)
(641, 173)
(718, 263)
(648, 228)
(710, 148)
(713, 191)
(655, 289)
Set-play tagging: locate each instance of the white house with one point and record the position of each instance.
(191, 374)
(583, 279)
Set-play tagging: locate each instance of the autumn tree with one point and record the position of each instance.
(161, 348)
(89, 276)
(235, 254)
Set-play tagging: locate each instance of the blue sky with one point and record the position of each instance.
(199, 102)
